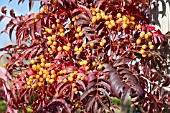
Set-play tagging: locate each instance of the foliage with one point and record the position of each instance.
(74, 55)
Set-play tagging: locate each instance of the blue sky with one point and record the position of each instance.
(21, 9)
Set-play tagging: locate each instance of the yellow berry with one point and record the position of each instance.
(94, 19)
(151, 47)
(53, 76)
(77, 35)
(110, 26)
(32, 61)
(79, 29)
(73, 84)
(142, 51)
(53, 26)
(97, 10)
(54, 37)
(58, 20)
(100, 66)
(144, 46)
(82, 78)
(124, 26)
(149, 34)
(76, 48)
(106, 17)
(72, 74)
(119, 15)
(138, 41)
(146, 36)
(107, 22)
(102, 44)
(84, 45)
(149, 43)
(51, 81)
(149, 54)
(70, 79)
(138, 27)
(81, 33)
(59, 49)
(91, 44)
(61, 34)
(4, 65)
(86, 68)
(78, 77)
(144, 55)
(64, 80)
(77, 17)
(142, 34)
(94, 63)
(74, 89)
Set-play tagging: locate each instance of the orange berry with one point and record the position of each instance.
(53, 76)
(82, 78)
(72, 74)
(49, 42)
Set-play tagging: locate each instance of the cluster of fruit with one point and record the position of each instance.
(145, 43)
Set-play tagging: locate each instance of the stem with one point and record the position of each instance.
(6, 16)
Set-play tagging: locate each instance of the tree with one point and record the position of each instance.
(75, 55)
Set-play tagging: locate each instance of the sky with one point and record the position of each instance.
(21, 9)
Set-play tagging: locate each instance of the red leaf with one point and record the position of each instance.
(12, 13)
(4, 75)
(3, 10)
(99, 3)
(31, 3)
(1, 17)
(10, 32)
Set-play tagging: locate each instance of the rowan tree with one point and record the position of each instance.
(75, 55)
